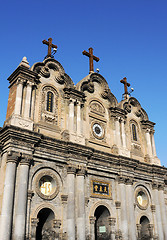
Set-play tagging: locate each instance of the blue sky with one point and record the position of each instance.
(129, 37)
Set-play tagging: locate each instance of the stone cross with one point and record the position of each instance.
(50, 46)
(91, 58)
(126, 84)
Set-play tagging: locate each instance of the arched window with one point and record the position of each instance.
(134, 132)
(49, 106)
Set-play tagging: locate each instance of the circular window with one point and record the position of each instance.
(98, 130)
(142, 198)
(47, 186)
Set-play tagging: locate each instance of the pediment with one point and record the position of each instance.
(52, 68)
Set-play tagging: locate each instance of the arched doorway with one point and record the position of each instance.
(102, 228)
(45, 230)
(144, 233)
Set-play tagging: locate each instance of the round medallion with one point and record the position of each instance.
(142, 199)
(97, 130)
(47, 185)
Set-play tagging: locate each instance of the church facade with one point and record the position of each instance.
(76, 163)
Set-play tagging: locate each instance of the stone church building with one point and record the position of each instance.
(75, 163)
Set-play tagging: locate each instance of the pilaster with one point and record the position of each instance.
(8, 197)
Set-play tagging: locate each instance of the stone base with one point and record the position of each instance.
(18, 121)
(77, 139)
(124, 152)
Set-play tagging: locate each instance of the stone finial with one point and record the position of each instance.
(24, 63)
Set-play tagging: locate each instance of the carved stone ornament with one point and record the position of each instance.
(118, 204)
(97, 107)
(47, 185)
(141, 198)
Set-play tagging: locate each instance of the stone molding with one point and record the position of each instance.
(56, 186)
(153, 208)
(64, 198)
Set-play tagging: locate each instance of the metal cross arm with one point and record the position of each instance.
(50, 46)
(91, 58)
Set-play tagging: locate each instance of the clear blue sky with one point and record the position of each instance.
(129, 37)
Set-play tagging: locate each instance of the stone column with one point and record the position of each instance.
(71, 202)
(64, 199)
(30, 195)
(81, 204)
(112, 222)
(153, 208)
(92, 228)
(123, 133)
(118, 136)
(28, 100)
(130, 208)
(158, 210)
(148, 140)
(19, 94)
(138, 231)
(78, 118)
(71, 116)
(150, 229)
(34, 223)
(8, 197)
(124, 220)
(21, 204)
(163, 209)
(153, 144)
(118, 209)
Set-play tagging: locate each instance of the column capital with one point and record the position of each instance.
(129, 181)
(92, 219)
(121, 179)
(20, 81)
(12, 157)
(81, 171)
(161, 186)
(118, 204)
(112, 221)
(30, 194)
(34, 221)
(154, 185)
(138, 227)
(26, 160)
(29, 83)
(71, 169)
(56, 223)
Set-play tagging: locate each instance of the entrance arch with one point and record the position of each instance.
(102, 227)
(44, 229)
(145, 231)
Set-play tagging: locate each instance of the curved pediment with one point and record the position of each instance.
(132, 104)
(89, 82)
(52, 68)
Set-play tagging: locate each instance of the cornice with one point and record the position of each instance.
(23, 72)
(37, 142)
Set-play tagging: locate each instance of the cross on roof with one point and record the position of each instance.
(91, 58)
(126, 84)
(50, 46)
